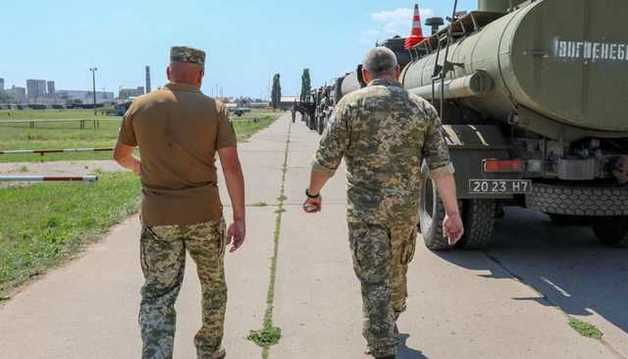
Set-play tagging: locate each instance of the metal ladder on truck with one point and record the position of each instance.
(440, 71)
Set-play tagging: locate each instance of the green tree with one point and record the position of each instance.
(276, 92)
(306, 85)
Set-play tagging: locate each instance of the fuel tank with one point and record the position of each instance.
(563, 60)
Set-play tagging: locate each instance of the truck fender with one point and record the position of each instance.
(469, 145)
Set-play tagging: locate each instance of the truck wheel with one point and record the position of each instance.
(478, 216)
(431, 215)
(612, 231)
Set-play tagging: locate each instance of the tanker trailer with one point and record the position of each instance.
(534, 101)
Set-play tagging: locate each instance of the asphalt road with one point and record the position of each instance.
(512, 301)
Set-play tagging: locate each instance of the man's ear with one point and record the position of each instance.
(366, 75)
(168, 71)
(201, 75)
(397, 72)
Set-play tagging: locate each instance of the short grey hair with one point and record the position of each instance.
(380, 61)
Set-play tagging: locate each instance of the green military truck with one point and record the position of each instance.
(534, 99)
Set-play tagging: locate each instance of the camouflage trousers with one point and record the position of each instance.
(163, 251)
(381, 254)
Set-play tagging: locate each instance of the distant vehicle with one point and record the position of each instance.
(121, 108)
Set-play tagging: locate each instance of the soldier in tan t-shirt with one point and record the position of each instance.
(179, 131)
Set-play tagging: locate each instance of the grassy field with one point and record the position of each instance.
(66, 133)
(44, 223)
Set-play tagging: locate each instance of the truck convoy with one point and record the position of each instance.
(534, 100)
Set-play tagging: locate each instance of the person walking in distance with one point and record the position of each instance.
(384, 134)
(179, 131)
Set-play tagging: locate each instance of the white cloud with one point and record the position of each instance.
(393, 22)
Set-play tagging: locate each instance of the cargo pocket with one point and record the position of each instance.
(371, 253)
(222, 237)
(147, 235)
(409, 248)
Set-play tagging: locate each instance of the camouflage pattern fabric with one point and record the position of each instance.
(380, 259)
(187, 54)
(163, 250)
(384, 134)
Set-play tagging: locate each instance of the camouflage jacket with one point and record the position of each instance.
(384, 133)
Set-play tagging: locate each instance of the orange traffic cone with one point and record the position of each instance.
(417, 32)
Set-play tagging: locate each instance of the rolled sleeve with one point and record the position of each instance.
(333, 145)
(435, 149)
(226, 136)
(446, 170)
(126, 136)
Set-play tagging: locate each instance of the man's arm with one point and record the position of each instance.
(452, 224)
(127, 141)
(232, 170)
(328, 157)
(436, 154)
(123, 154)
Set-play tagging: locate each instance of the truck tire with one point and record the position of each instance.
(612, 231)
(431, 215)
(478, 216)
(578, 201)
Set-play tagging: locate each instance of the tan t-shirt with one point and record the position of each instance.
(178, 131)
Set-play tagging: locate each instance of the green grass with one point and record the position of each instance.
(56, 135)
(265, 337)
(585, 329)
(44, 223)
(68, 134)
(252, 122)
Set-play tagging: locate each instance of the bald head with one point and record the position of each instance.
(186, 73)
(380, 63)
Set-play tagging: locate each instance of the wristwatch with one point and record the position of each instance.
(310, 196)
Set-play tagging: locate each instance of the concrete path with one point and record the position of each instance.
(510, 302)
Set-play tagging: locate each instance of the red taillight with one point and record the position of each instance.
(502, 166)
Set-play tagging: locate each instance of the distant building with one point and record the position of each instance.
(1, 84)
(287, 102)
(36, 88)
(51, 88)
(18, 94)
(84, 97)
(125, 94)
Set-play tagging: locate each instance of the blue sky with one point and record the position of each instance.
(246, 41)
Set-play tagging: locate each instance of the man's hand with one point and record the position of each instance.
(123, 154)
(232, 170)
(313, 205)
(453, 228)
(236, 234)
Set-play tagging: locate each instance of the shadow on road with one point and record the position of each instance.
(404, 352)
(564, 263)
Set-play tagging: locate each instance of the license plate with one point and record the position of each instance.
(497, 186)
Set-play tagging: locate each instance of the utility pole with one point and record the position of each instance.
(93, 70)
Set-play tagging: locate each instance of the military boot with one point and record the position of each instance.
(387, 357)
